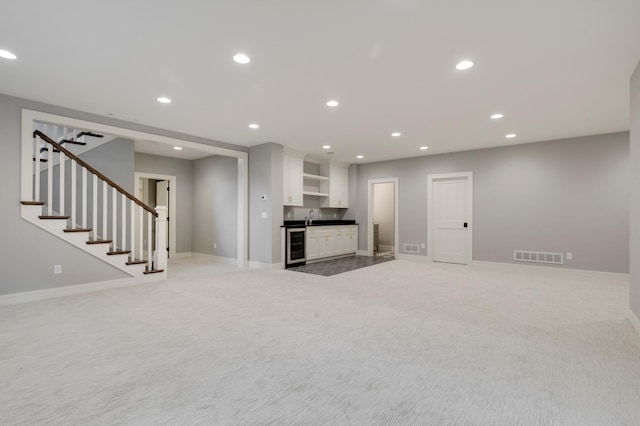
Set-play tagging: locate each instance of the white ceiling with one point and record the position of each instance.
(556, 68)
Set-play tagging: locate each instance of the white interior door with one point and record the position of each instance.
(450, 223)
(162, 199)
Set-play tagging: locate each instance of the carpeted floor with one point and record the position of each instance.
(396, 343)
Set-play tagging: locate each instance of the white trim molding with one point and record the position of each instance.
(396, 213)
(173, 216)
(605, 274)
(260, 265)
(50, 293)
(633, 320)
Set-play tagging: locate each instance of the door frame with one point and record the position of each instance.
(396, 215)
(444, 176)
(172, 203)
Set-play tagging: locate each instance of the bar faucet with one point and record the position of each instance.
(309, 218)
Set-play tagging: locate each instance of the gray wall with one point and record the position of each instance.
(183, 171)
(634, 255)
(568, 195)
(265, 177)
(28, 253)
(215, 206)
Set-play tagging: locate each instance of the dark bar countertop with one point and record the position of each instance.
(320, 222)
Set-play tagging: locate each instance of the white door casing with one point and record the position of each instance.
(396, 215)
(171, 213)
(450, 214)
(163, 199)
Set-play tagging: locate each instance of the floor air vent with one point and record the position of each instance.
(538, 257)
(411, 248)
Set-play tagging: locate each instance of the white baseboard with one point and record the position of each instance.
(413, 257)
(213, 258)
(182, 255)
(634, 320)
(261, 265)
(363, 253)
(616, 275)
(50, 293)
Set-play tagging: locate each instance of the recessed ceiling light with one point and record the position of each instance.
(177, 148)
(464, 65)
(497, 116)
(326, 146)
(333, 103)
(7, 55)
(360, 157)
(510, 136)
(164, 100)
(241, 58)
(396, 134)
(254, 126)
(424, 147)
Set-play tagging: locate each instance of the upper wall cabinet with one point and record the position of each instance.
(338, 184)
(292, 178)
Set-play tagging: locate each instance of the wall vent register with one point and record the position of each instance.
(411, 248)
(538, 257)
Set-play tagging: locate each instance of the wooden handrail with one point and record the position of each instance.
(93, 171)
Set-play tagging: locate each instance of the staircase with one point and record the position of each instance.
(80, 205)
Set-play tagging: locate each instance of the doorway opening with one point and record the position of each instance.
(160, 190)
(450, 217)
(382, 223)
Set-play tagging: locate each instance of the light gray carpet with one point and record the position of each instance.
(394, 343)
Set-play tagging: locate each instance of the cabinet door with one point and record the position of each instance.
(312, 245)
(339, 192)
(296, 167)
(292, 180)
(353, 240)
(338, 242)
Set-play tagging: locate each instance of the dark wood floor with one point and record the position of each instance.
(345, 264)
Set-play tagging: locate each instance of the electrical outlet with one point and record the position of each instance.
(57, 269)
(335, 215)
(422, 245)
(215, 245)
(569, 256)
(289, 215)
(263, 215)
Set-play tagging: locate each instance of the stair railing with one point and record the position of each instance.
(120, 218)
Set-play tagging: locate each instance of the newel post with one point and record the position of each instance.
(161, 238)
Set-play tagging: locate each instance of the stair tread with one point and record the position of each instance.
(32, 203)
(99, 242)
(54, 217)
(153, 271)
(74, 142)
(117, 252)
(77, 230)
(137, 262)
